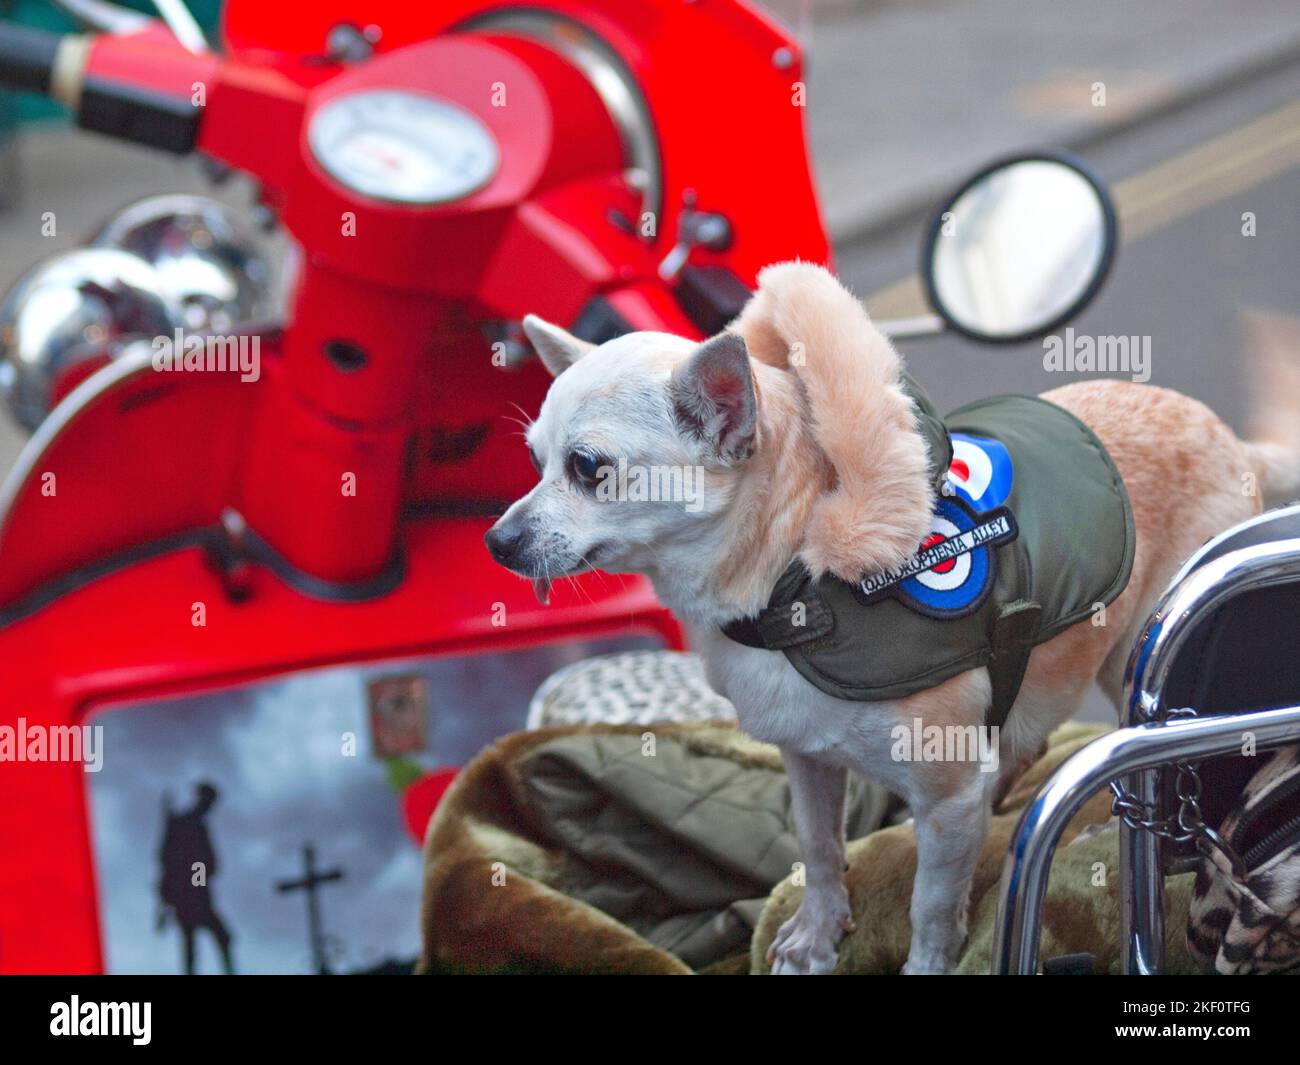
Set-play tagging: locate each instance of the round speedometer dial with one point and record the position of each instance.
(402, 147)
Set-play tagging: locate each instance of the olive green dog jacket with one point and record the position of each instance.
(1032, 532)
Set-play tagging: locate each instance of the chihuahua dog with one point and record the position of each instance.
(802, 445)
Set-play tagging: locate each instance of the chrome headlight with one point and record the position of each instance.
(208, 259)
(75, 306)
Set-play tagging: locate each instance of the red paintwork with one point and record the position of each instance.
(158, 454)
(420, 800)
(138, 643)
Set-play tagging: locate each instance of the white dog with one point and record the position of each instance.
(807, 448)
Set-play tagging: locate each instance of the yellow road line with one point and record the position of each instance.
(1218, 154)
(1212, 172)
(1230, 163)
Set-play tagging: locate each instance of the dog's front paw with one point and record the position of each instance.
(926, 965)
(806, 944)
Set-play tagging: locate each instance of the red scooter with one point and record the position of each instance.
(171, 538)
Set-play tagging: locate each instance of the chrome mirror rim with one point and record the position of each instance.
(1109, 245)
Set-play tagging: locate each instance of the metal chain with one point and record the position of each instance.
(1185, 825)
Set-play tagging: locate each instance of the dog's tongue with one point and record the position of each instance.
(542, 586)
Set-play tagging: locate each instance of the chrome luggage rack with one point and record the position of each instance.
(1134, 760)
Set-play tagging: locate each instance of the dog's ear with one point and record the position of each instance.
(713, 397)
(557, 348)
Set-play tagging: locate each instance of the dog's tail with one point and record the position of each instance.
(1273, 364)
(804, 321)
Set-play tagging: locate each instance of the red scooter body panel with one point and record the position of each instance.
(720, 79)
(135, 640)
(119, 471)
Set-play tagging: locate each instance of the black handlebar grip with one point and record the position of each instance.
(27, 57)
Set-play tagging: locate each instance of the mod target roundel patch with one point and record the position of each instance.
(981, 471)
(955, 585)
(953, 569)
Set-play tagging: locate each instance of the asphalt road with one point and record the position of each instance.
(1184, 271)
(904, 94)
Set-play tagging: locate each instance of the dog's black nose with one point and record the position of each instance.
(503, 544)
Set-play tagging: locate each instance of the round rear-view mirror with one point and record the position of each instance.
(1020, 248)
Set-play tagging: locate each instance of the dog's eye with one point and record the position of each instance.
(585, 468)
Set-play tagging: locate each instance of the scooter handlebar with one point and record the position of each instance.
(130, 86)
(28, 57)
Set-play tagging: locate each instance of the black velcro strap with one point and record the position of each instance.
(1014, 633)
(744, 630)
(778, 627)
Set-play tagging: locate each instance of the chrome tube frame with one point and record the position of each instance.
(1139, 752)
(1198, 589)
(1126, 750)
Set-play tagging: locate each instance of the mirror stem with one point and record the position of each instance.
(924, 325)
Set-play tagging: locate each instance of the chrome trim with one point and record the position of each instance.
(1197, 589)
(609, 76)
(1139, 751)
(1126, 750)
(207, 258)
(923, 325)
(1142, 885)
(75, 306)
(1212, 544)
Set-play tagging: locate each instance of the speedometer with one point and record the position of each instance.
(403, 147)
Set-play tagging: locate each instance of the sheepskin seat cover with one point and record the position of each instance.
(671, 849)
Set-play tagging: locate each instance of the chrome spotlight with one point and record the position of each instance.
(208, 259)
(72, 309)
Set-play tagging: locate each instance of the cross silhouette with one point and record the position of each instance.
(310, 883)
